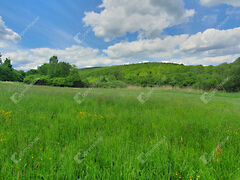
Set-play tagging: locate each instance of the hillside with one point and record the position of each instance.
(222, 77)
(159, 74)
(145, 74)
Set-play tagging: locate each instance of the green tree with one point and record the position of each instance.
(7, 63)
(53, 60)
(43, 69)
(0, 58)
(63, 69)
(31, 72)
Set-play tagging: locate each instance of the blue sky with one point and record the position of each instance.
(118, 32)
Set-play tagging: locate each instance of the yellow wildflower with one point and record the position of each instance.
(5, 115)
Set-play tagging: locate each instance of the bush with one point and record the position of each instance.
(37, 80)
(62, 82)
(111, 84)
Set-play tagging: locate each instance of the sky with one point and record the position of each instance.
(113, 32)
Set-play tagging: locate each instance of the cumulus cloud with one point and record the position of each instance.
(195, 60)
(153, 48)
(209, 47)
(212, 44)
(149, 17)
(235, 3)
(78, 55)
(3, 45)
(6, 34)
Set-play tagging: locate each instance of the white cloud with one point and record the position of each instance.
(7, 34)
(148, 17)
(80, 56)
(209, 47)
(212, 46)
(235, 3)
(156, 48)
(205, 60)
(213, 42)
(3, 45)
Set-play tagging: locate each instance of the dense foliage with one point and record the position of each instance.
(54, 73)
(7, 73)
(222, 77)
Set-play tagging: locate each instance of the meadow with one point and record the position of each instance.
(70, 133)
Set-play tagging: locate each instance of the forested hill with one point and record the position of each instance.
(221, 77)
(224, 76)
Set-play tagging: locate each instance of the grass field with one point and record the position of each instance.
(109, 134)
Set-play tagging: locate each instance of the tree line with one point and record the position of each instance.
(225, 77)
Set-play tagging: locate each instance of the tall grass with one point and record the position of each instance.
(113, 136)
